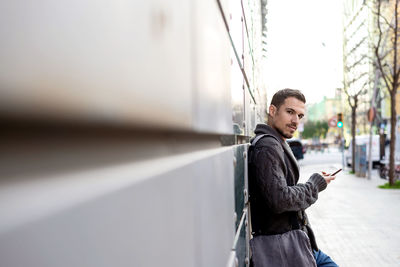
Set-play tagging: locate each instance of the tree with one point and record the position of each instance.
(322, 128)
(316, 129)
(387, 59)
(353, 100)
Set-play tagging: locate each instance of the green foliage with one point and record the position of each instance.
(317, 129)
(387, 186)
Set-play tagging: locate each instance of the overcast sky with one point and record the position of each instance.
(305, 47)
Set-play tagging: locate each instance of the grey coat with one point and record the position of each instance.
(277, 200)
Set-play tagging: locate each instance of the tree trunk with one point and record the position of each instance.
(353, 136)
(393, 122)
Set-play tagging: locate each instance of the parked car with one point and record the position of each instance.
(297, 148)
(364, 139)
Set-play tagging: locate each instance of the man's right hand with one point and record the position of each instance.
(328, 178)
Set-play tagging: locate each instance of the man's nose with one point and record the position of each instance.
(295, 119)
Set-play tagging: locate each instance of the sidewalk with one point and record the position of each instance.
(355, 222)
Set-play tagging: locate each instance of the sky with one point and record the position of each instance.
(304, 49)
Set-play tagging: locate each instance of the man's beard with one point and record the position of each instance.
(283, 134)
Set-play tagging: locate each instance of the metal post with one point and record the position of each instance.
(342, 142)
(370, 150)
(371, 124)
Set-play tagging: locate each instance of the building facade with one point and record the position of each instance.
(358, 71)
(125, 130)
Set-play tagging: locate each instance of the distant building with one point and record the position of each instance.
(359, 71)
(357, 66)
(324, 110)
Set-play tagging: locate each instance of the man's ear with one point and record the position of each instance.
(272, 110)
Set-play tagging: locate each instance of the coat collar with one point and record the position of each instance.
(266, 129)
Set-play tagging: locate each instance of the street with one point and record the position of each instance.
(355, 222)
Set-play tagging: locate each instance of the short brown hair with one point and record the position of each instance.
(280, 96)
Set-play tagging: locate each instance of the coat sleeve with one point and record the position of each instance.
(270, 178)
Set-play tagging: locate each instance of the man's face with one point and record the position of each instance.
(286, 119)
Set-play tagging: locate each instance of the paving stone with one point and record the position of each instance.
(355, 222)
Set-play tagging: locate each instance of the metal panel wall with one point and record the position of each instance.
(240, 246)
(247, 71)
(178, 214)
(212, 100)
(237, 92)
(166, 79)
(97, 61)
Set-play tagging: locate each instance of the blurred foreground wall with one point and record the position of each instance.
(124, 131)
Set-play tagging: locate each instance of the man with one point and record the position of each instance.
(277, 200)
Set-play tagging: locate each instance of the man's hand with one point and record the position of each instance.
(328, 178)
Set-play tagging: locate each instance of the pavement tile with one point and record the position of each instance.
(355, 222)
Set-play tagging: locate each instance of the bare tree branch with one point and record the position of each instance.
(395, 71)
(379, 59)
(387, 22)
(387, 53)
(389, 69)
(379, 15)
(349, 97)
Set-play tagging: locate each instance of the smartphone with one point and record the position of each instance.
(336, 172)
